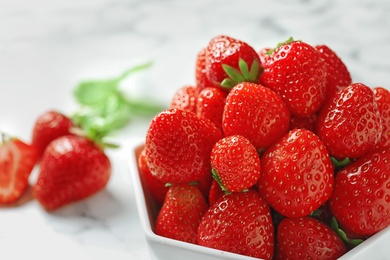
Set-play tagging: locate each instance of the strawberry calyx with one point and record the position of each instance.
(243, 74)
(95, 136)
(352, 242)
(339, 164)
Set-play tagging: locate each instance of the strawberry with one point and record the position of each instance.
(255, 112)
(48, 126)
(240, 223)
(185, 99)
(210, 105)
(296, 174)
(156, 188)
(382, 98)
(235, 162)
(361, 196)
(201, 79)
(181, 213)
(337, 74)
(71, 169)
(307, 238)
(350, 123)
(178, 146)
(264, 55)
(230, 61)
(17, 160)
(297, 73)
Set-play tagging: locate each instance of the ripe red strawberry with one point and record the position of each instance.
(337, 74)
(361, 195)
(154, 186)
(17, 160)
(307, 238)
(71, 169)
(178, 146)
(185, 99)
(230, 61)
(201, 79)
(239, 223)
(296, 174)
(48, 126)
(210, 105)
(382, 98)
(350, 124)
(255, 112)
(297, 73)
(236, 164)
(181, 213)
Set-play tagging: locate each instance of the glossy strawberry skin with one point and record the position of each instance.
(382, 98)
(201, 78)
(350, 124)
(48, 126)
(185, 99)
(235, 163)
(181, 213)
(337, 74)
(298, 74)
(361, 196)
(178, 146)
(225, 50)
(71, 169)
(239, 223)
(297, 174)
(255, 112)
(307, 238)
(210, 105)
(17, 160)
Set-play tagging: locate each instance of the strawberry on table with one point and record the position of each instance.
(361, 196)
(350, 123)
(71, 169)
(240, 223)
(230, 61)
(48, 126)
(296, 174)
(255, 112)
(235, 163)
(382, 98)
(307, 238)
(178, 146)
(17, 160)
(210, 105)
(297, 73)
(185, 99)
(181, 213)
(337, 74)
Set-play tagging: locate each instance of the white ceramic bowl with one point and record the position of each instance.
(376, 247)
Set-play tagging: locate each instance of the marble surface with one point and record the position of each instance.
(47, 47)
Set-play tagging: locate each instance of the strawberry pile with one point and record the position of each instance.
(275, 154)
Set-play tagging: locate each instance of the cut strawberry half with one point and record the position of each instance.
(17, 159)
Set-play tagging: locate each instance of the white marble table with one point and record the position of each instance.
(47, 47)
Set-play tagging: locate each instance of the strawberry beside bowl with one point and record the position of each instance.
(164, 248)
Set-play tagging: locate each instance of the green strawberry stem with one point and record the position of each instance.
(340, 164)
(349, 241)
(244, 74)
